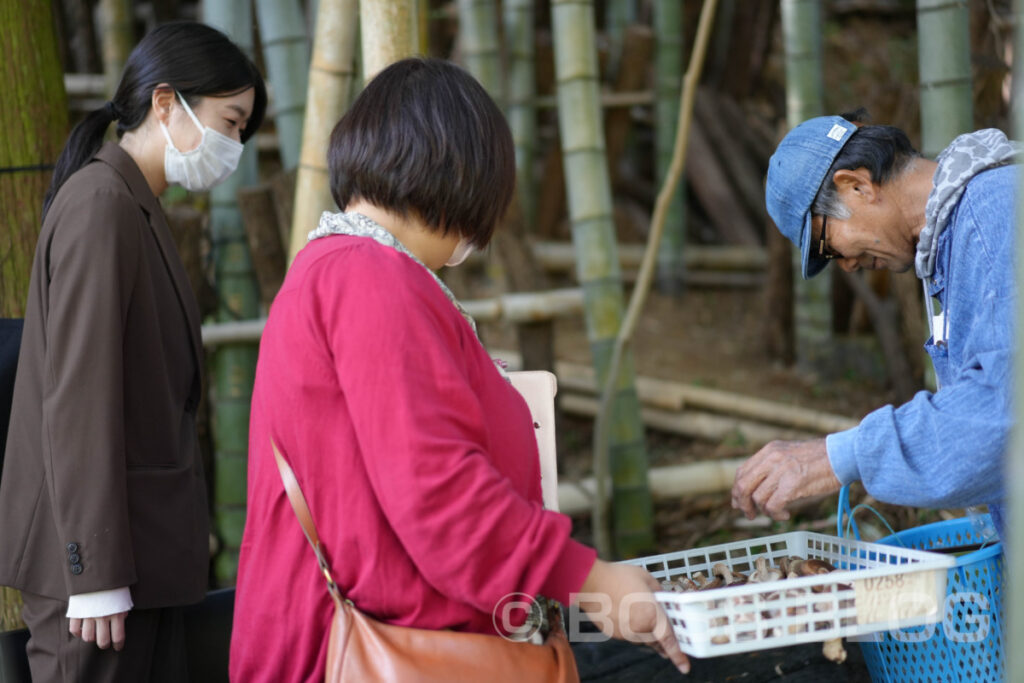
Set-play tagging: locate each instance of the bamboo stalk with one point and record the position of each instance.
(117, 37)
(331, 77)
(944, 61)
(812, 299)
(590, 212)
(286, 53)
(234, 366)
(668, 72)
(522, 88)
(481, 53)
(1014, 535)
(389, 33)
(619, 353)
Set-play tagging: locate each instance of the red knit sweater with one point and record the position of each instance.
(417, 457)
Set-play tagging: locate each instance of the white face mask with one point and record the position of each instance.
(462, 250)
(207, 165)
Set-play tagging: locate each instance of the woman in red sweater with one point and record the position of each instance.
(416, 455)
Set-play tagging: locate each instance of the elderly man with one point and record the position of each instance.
(862, 196)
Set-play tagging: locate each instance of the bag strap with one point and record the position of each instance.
(298, 501)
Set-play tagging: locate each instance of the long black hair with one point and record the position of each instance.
(193, 58)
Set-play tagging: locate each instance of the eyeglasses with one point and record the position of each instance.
(824, 251)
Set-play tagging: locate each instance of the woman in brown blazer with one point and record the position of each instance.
(103, 513)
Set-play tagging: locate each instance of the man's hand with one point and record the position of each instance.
(780, 473)
(104, 631)
(620, 602)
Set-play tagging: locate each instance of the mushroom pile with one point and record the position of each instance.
(787, 568)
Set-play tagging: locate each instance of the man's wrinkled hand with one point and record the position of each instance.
(780, 473)
(104, 631)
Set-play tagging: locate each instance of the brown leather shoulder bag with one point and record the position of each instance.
(364, 649)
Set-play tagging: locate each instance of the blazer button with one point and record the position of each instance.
(72, 547)
(74, 558)
(76, 569)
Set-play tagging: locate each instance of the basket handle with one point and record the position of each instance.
(844, 511)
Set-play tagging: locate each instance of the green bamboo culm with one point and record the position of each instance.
(332, 77)
(944, 64)
(668, 73)
(812, 299)
(286, 54)
(519, 108)
(118, 38)
(618, 14)
(389, 32)
(234, 365)
(34, 118)
(481, 47)
(1014, 534)
(597, 270)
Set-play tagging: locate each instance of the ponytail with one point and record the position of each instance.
(194, 59)
(85, 140)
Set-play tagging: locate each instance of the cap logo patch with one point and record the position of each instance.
(837, 132)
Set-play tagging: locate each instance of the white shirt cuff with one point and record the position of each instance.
(100, 603)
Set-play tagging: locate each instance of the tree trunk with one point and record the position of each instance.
(33, 116)
(944, 61)
(801, 27)
(668, 77)
(331, 82)
(286, 53)
(234, 366)
(590, 211)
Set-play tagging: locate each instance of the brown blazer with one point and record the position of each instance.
(103, 482)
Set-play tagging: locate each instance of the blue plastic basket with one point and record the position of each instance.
(967, 645)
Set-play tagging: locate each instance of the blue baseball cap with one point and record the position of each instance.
(795, 174)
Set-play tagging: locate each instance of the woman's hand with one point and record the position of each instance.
(619, 600)
(104, 631)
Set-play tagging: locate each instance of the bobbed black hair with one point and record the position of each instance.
(195, 59)
(425, 137)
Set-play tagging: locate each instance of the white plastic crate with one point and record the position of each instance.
(875, 588)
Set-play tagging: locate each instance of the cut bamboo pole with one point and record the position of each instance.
(331, 76)
(695, 424)
(286, 53)
(668, 395)
(558, 256)
(666, 483)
